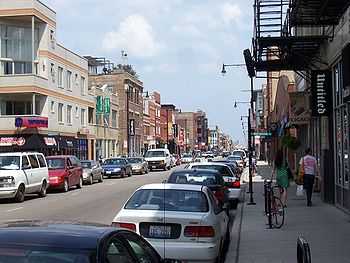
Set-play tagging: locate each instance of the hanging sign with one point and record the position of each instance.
(321, 92)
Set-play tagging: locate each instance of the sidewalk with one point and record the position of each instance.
(326, 228)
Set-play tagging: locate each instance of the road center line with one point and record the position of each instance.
(15, 209)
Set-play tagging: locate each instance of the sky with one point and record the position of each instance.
(177, 48)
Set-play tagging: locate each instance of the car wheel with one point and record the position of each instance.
(19, 198)
(91, 179)
(65, 186)
(42, 192)
(80, 184)
(100, 180)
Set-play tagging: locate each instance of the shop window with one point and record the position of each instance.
(69, 114)
(60, 113)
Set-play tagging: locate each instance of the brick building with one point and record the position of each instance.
(151, 118)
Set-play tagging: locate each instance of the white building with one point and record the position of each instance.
(44, 99)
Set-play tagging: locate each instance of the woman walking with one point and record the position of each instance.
(281, 172)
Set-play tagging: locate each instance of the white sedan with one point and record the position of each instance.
(182, 222)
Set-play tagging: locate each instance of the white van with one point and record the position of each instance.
(158, 159)
(23, 173)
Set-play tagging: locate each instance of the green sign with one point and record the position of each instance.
(263, 134)
(107, 105)
(99, 105)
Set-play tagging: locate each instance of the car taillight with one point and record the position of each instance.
(236, 184)
(129, 226)
(199, 231)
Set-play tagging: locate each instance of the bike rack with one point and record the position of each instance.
(303, 251)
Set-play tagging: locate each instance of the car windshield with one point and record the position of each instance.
(114, 162)
(86, 164)
(200, 178)
(9, 162)
(135, 160)
(55, 163)
(44, 255)
(155, 154)
(168, 200)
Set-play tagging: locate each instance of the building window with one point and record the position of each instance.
(60, 77)
(82, 85)
(114, 119)
(53, 73)
(69, 80)
(82, 117)
(52, 107)
(60, 112)
(76, 81)
(69, 114)
(91, 115)
(76, 112)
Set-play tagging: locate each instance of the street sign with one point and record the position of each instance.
(262, 134)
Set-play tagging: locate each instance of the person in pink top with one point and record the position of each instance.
(309, 163)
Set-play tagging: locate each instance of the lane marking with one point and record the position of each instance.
(15, 209)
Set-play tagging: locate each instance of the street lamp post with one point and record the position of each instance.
(127, 90)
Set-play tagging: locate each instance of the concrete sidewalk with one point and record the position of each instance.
(326, 228)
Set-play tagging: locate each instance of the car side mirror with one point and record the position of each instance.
(26, 167)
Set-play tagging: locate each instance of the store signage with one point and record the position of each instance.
(69, 143)
(299, 113)
(321, 92)
(12, 141)
(262, 134)
(32, 122)
(49, 141)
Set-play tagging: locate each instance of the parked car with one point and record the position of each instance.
(117, 167)
(237, 170)
(241, 153)
(65, 171)
(187, 158)
(138, 165)
(158, 159)
(92, 171)
(231, 180)
(210, 178)
(195, 228)
(61, 243)
(238, 158)
(23, 173)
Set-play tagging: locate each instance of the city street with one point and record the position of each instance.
(97, 203)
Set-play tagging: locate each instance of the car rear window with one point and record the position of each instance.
(223, 170)
(196, 178)
(168, 200)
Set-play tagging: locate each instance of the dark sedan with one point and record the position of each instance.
(37, 242)
(210, 178)
(116, 167)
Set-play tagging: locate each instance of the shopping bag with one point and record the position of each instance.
(300, 190)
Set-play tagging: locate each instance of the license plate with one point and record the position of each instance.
(160, 231)
(108, 172)
(154, 166)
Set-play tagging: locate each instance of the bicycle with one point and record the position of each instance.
(274, 209)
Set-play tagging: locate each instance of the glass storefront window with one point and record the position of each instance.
(346, 144)
(339, 141)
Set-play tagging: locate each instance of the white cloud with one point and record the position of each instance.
(230, 13)
(134, 34)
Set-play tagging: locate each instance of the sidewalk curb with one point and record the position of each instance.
(235, 234)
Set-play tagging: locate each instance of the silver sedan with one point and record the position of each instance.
(92, 171)
(139, 165)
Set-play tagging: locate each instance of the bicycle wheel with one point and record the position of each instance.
(277, 212)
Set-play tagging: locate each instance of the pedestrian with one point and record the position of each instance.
(280, 170)
(310, 169)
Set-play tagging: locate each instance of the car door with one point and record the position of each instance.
(141, 249)
(70, 172)
(34, 178)
(27, 170)
(221, 220)
(43, 173)
(95, 170)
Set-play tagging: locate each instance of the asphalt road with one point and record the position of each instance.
(97, 203)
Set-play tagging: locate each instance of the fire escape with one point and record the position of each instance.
(289, 33)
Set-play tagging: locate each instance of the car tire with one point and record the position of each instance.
(19, 198)
(80, 184)
(65, 186)
(100, 180)
(43, 189)
(91, 180)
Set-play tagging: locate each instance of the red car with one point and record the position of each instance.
(65, 171)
